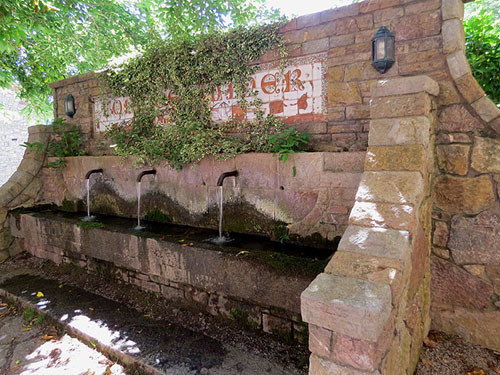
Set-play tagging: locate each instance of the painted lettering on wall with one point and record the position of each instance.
(295, 94)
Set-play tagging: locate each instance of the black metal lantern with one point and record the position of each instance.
(383, 50)
(69, 106)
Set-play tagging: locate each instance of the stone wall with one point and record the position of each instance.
(369, 311)
(245, 288)
(13, 133)
(466, 215)
(310, 196)
(23, 188)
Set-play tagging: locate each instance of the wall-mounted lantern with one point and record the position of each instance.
(383, 50)
(69, 106)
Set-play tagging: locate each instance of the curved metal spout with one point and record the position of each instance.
(141, 175)
(220, 181)
(92, 171)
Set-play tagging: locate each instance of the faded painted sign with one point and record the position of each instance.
(296, 95)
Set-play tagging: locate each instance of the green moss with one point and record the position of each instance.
(290, 265)
(68, 206)
(29, 314)
(106, 204)
(281, 232)
(89, 224)
(241, 317)
(158, 216)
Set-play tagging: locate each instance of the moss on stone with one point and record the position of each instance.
(68, 206)
(89, 224)
(157, 216)
(289, 265)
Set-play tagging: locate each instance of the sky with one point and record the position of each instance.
(301, 7)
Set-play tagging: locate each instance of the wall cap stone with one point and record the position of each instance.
(404, 85)
(357, 308)
(75, 79)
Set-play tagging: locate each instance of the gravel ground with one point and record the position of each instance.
(450, 355)
(442, 354)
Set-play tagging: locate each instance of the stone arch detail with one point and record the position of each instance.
(453, 35)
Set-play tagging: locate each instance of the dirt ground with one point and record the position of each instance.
(442, 354)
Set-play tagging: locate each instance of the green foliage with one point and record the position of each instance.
(35, 147)
(288, 142)
(29, 314)
(40, 319)
(65, 141)
(193, 69)
(44, 41)
(483, 51)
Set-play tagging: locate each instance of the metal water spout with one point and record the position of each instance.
(139, 178)
(221, 239)
(222, 177)
(143, 173)
(92, 171)
(87, 184)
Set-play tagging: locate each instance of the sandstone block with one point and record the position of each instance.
(457, 118)
(477, 270)
(401, 106)
(343, 94)
(440, 236)
(458, 64)
(452, 9)
(356, 353)
(378, 242)
(417, 25)
(344, 161)
(383, 215)
(357, 112)
(388, 271)
(321, 366)
(474, 326)
(495, 125)
(335, 74)
(493, 274)
(453, 36)
(315, 46)
(399, 131)
(395, 158)
(469, 87)
(340, 12)
(404, 86)
(320, 341)
(476, 239)
(442, 253)
(445, 138)
(453, 287)
(353, 307)
(4, 255)
(391, 187)
(486, 155)
(453, 158)
(486, 109)
(462, 194)
(341, 40)
(447, 93)
(308, 20)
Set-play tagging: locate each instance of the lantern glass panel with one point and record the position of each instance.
(380, 49)
(390, 48)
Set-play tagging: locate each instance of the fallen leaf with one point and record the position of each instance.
(493, 367)
(429, 343)
(140, 331)
(60, 286)
(477, 371)
(40, 294)
(242, 252)
(47, 337)
(426, 362)
(91, 308)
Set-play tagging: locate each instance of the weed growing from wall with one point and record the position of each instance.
(174, 81)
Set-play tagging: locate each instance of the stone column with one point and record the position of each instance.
(23, 187)
(369, 311)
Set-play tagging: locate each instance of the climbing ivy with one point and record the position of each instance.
(174, 80)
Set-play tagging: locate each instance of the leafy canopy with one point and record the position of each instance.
(42, 41)
(482, 32)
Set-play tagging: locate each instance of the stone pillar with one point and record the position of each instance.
(23, 187)
(369, 311)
